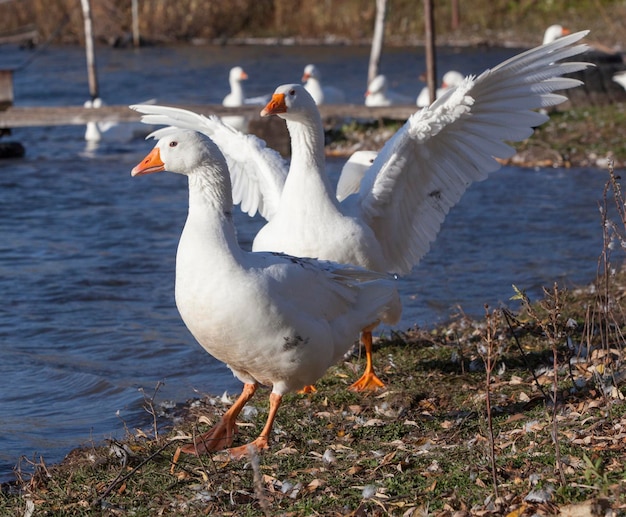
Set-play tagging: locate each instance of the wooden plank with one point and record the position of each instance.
(6, 88)
(18, 116)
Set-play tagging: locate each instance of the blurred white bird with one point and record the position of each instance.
(237, 98)
(554, 32)
(312, 79)
(379, 94)
(108, 131)
(450, 79)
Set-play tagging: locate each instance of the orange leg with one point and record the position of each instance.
(369, 381)
(221, 435)
(261, 442)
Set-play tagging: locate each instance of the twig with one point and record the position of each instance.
(509, 319)
(121, 479)
(489, 355)
(149, 407)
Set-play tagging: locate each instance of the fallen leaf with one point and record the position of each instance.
(314, 485)
(577, 510)
(518, 512)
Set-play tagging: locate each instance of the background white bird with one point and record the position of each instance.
(379, 94)
(450, 79)
(322, 94)
(237, 98)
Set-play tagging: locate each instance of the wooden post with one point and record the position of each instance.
(135, 14)
(90, 51)
(431, 67)
(6, 96)
(455, 21)
(6, 89)
(377, 40)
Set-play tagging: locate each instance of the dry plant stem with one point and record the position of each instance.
(119, 479)
(489, 356)
(149, 407)
(552, 304)
(509, 320)
(551, 329)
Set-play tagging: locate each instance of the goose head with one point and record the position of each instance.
(451, 79)
(554, 32)
(311, 72)
(237, 74)
(290, 102)
(180, 151)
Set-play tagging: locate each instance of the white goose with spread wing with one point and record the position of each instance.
(420, 173)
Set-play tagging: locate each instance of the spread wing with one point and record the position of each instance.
(257, 172)
(430, 162)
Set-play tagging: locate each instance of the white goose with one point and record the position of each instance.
(274, 320)
(379, 94)
(620, 78)
(352, 173)
(416, 178)
(237, 97)
(312, 79)
(554, 32)
(451, 79)
(115, 132)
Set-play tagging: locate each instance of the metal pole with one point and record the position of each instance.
(431, 67)
(89, 49)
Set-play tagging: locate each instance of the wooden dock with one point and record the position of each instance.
(18, 116)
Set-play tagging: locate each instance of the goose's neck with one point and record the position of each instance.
(209, 220)
(307, 171)
(236, 89)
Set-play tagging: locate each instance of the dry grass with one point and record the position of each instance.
(481, 21)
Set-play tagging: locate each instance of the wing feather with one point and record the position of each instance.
(257, 172)
(426, 167)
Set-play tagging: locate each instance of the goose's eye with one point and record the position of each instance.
(173, 143)
(292, 92)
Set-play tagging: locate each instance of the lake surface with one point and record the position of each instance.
(87, 253)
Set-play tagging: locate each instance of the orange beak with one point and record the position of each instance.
(243, 75)
(151, 163)
(275, 106)
(566, 31)
(305, 77)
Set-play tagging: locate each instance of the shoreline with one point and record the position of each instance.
(574, 136)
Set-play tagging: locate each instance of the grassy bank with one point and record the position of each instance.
(519, 413)
(493, 22)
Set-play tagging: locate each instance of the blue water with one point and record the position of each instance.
(87, 253)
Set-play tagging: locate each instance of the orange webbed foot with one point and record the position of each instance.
(222, 434)
(217, 438)
(248, 450)
(307, 389)
(369, 381)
